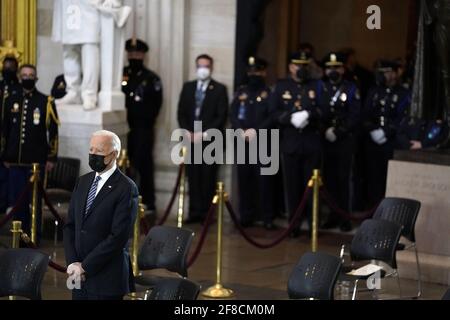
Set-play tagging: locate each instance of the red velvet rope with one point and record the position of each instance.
(326, 196)
(205, 229)
(17, 204)
(172, 198)
(50, 206)
(283, 235)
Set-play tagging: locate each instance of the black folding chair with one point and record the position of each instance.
(404, 212)
(22, 272)
(164, 248)
(375, 240)
(175, 289)
(314, 277)
(62, 179)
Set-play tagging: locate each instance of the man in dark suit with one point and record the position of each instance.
(101, 216)
(203, 100)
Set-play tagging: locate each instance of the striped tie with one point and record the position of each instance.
(92, 194)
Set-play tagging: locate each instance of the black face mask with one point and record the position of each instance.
(28, 84)
(303, 74)
(136, 64)
(380, 79)
(9, 75)
(97, 162)
(334, 76)
(255, 81)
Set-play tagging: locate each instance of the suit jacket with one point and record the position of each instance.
(214, 110)
(99, 240)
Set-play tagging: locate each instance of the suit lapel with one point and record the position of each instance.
(106, 189)
(209, 92)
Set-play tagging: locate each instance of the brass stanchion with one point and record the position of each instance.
(16, 234)
(34, 202)
(136, 236)
(124, 161)
(218, 291)
(182, 190)
(315, 183)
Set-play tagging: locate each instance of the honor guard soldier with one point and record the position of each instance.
(9, 85)
(31, 136)
(59, 88)
(417, 134)
(144, 97)
(250, 112)
(295, 106)
(342, 101)
(386, 106)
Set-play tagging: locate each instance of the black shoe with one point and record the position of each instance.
(295, 233)
(270, 226)
(193, 220)
(346, 226)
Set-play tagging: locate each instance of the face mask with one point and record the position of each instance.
(255, 81)
(203, 73)
(334, 76)
(9, 75)
(303, 74)
(97, 162)
(136, 64)
(28, 84)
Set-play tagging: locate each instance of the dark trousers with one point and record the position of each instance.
(202, 180)
(377, 159)
(140, 148)
(338, 160)
(84, 295)
(298, 169)
(18, 179)
(4, 172)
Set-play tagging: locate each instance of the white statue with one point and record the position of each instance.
(77, 24)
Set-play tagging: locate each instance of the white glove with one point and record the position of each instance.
(75, 270)
(300, 119)
(330, 135)
(378, 136)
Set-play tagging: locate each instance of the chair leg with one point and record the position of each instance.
(355, 288)
(419, 273)
(398, 283)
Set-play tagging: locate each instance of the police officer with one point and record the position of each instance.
(31, 136)
(59, 88)
(386, 105)
(342, 101)
(9, 85)
(295, 104)
(418, 134)
(250, 112)
(144, 97)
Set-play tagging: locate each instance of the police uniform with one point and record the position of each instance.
(384, 110)
(144, 96)
(429, 133)
(31, 136)
(300, 147)
(250, 110)
(59, 88)
(341, 101)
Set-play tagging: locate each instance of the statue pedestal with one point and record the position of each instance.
(425, 176)
(78, 125)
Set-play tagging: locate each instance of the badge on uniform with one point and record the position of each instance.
(15, 108)
(125, 81)
(312, 94)
(36, 117)
(344, 97)
(61, 85)
(287, 96)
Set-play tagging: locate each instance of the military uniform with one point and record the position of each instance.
(429, 133)
(384, 110)
(300, 147)
(341, 101)
(31, 136)
(59, 88)
(250, 110)
(144, 96)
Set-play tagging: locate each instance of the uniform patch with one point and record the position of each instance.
(343, 97)
(287, 96)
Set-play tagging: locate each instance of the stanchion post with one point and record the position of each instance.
(182, 190)
(34, 202)
(218, 291)
(16, 234)
(315, 183)
(136, 236)
(124, 161)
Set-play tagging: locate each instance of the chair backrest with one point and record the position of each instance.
(402, 211)
(64, 175)
(22, 272)
(166, 248)
(376, 240)
(314, 276)
(175, 289)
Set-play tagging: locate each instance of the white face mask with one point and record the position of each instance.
(203, 73)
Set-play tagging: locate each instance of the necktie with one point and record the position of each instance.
(91, 195)
(199, 97)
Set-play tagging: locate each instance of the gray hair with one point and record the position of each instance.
(115, 140)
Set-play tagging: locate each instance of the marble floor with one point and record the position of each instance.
(253, 274)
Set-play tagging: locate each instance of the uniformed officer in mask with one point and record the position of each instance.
(295, 105)
(144, 97)
(386, 106)
(30, 131)
(342, 101)
(250, 112)
(59, 88)
(9, 85)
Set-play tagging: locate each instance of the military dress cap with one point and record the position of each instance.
(387, 65)
(333, 59)
(256, 64)
(136, 45)
(300, 57)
